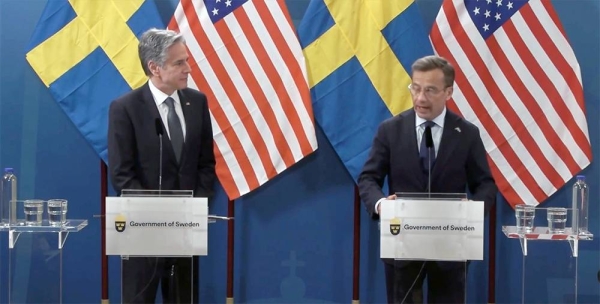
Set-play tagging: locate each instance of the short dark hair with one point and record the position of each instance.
(153, 46)
(432, 62)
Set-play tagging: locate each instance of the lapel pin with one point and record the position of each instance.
(187, 103)
(457, 129)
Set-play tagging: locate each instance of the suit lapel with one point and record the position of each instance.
(450, 140)
(150, 105)
(190, 124)
(411, 147)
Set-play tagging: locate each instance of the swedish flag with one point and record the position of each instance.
(358, 57)
(85, 52)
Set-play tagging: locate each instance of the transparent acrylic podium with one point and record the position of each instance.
(445, 228)
(158, 235)
(533, 256)
(32, 271)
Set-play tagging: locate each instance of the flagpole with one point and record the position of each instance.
(356, 245)
(104, 258)
(230, 239)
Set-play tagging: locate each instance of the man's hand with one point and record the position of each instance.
(391, 197)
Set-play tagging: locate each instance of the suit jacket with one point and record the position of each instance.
(461, 162)
(134, 149)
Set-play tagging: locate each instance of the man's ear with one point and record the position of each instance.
(449, 91)
(153, 67)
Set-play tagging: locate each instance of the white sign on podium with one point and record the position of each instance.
(156, 226)
(420, 229)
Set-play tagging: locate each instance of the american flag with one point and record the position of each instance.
(246, 58)
(518, 80)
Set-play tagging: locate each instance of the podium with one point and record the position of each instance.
(566, 264)
(432, 228)
(33, 270)
(157, 234)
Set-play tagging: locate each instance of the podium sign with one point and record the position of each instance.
(444, 230)
(156, 226)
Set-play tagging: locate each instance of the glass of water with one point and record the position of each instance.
(57, 212)
(34, 209)
(525, 215)
(557, 220)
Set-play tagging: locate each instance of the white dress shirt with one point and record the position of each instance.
(163, 109)
(436, 130)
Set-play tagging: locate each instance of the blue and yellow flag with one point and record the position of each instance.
(85, 52)
(358, 57)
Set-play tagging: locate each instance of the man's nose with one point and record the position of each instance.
(420, 95)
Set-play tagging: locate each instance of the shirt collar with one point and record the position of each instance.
(160, 96)
(439, 120)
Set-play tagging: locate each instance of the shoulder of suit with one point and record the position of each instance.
(131, 95)
(400, 117)
(193, 93)
(460, 121)
(395, 122)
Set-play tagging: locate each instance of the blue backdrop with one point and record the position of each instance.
(294, 235)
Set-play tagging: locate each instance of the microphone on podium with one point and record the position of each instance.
(430, 149)
(159, 132)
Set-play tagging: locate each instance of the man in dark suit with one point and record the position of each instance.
(460, 163)
(188, 161)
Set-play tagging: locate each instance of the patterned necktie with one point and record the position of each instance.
(175, 130)
(423, 151)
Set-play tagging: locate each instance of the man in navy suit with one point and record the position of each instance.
(460, 163)
(188, 161)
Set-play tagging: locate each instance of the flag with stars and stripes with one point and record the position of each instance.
(246, 58)
(519, 81)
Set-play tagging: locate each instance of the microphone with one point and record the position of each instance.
(158, 125)
(159, 132)
(429, 145)
(428, 138)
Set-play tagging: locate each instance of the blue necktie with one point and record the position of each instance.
(423, 151)
(175, 130)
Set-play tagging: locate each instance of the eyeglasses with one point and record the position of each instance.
(429, 91)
